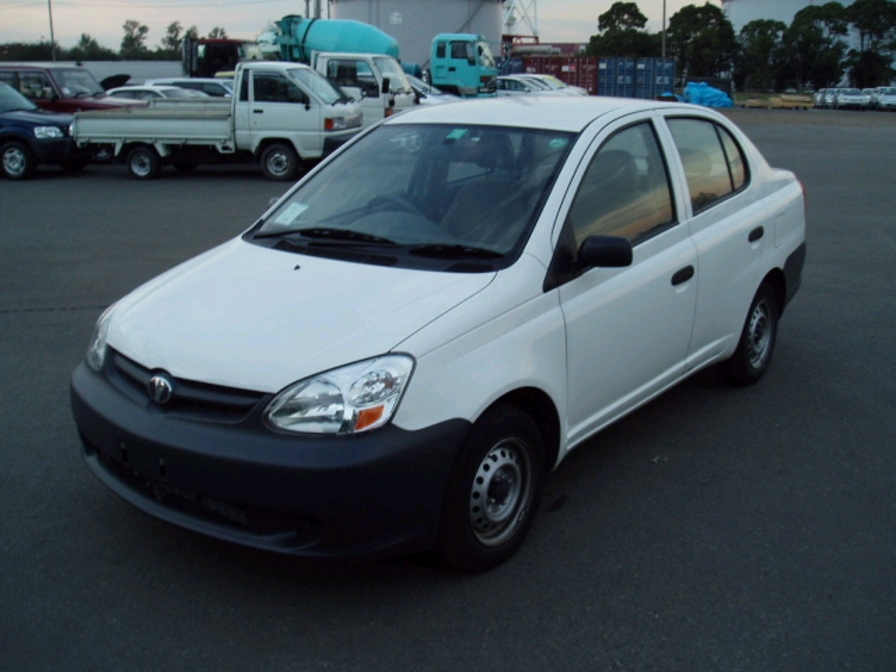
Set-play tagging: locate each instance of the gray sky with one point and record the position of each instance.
(28, 20)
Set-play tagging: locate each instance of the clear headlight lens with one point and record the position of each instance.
(351, 399)
(47, 132)
(96, 353)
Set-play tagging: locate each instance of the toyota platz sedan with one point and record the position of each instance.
(397, 353)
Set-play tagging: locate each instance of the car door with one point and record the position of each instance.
(628, 329)
(280, 108)
(728, 226)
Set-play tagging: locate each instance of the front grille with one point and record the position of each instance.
(190, 399)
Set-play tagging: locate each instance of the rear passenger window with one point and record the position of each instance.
(625, 191)
(713, 162)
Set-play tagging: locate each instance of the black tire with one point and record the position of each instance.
(757, 340)
(279, 161)
(17, 161)
(143, 162)
(493, 492)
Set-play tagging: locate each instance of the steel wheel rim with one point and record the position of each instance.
(141, 164)
(759, 335)
(14, 161)
(501, 492)
(278, 164)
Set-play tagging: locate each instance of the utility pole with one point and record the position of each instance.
(52, 36)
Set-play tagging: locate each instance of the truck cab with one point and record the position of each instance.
(376, 81)
(462, 64)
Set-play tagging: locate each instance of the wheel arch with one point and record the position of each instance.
(541, 408)
(776, 280)
(264, 143)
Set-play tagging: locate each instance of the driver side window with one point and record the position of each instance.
(625, 191)
(272, 87)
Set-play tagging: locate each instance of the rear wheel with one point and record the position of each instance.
(279, 161)
(493, 492)
(757, 340)
(143, 162)
(17, 160)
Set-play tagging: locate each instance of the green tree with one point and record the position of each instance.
(702, 40)
(217, 33)
(192, 33)
(760, 58)
(171, 42)
(875, 23)
(133, 44)
(814, 46)
(621, 33)
(88, 49)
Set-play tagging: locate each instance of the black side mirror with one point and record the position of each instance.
(387, 85)
(605, 252)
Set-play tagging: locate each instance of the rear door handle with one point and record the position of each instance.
(756, 234)
(683, 275)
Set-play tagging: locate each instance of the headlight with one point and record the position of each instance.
(46, 132)
(96, 353)
(347, 400)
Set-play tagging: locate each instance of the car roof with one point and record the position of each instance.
(561, 113)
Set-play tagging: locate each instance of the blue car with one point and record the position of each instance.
(30, 136)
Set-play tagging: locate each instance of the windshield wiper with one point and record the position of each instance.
(330, 235)
(442, 251)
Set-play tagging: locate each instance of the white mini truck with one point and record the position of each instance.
(281, 115)
(393, 360)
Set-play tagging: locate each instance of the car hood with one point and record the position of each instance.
(38, 117)
(253, 318)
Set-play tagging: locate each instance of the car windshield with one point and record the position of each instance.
(10, 100)
(850, 92)
(452, 194)
(486, 59)
(389, 68)
(77, 83)
(888, 91)
(317, 84)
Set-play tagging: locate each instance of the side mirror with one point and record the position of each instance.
(605, 252)
(386, 86)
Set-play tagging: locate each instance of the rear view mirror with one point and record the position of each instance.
(605, 252)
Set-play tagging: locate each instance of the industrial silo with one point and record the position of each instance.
(415, 22)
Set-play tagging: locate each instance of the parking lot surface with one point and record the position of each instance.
(714, 529)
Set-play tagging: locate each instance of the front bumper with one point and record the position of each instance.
(55, 150)
(232, 478)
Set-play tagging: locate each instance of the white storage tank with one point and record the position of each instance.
(415, 22)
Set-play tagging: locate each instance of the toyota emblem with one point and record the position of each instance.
(160, 389)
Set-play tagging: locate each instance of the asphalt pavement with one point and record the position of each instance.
(715, 529)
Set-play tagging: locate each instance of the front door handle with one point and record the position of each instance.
(683, 275)
(257, 111)
(756, 234)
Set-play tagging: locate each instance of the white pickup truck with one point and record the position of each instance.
(376, 81)
(282, 115)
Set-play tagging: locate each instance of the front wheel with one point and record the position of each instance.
(17, 161)
(143, 162)
(493, 492)
(757, 340)
(279, 162)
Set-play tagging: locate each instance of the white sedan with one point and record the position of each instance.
(396, 354)
(151, 92)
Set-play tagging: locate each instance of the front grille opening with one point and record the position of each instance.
(191, 400)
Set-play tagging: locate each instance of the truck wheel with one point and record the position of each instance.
(494, 490)
(279, 161)
(144, 163)
(17, 161)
